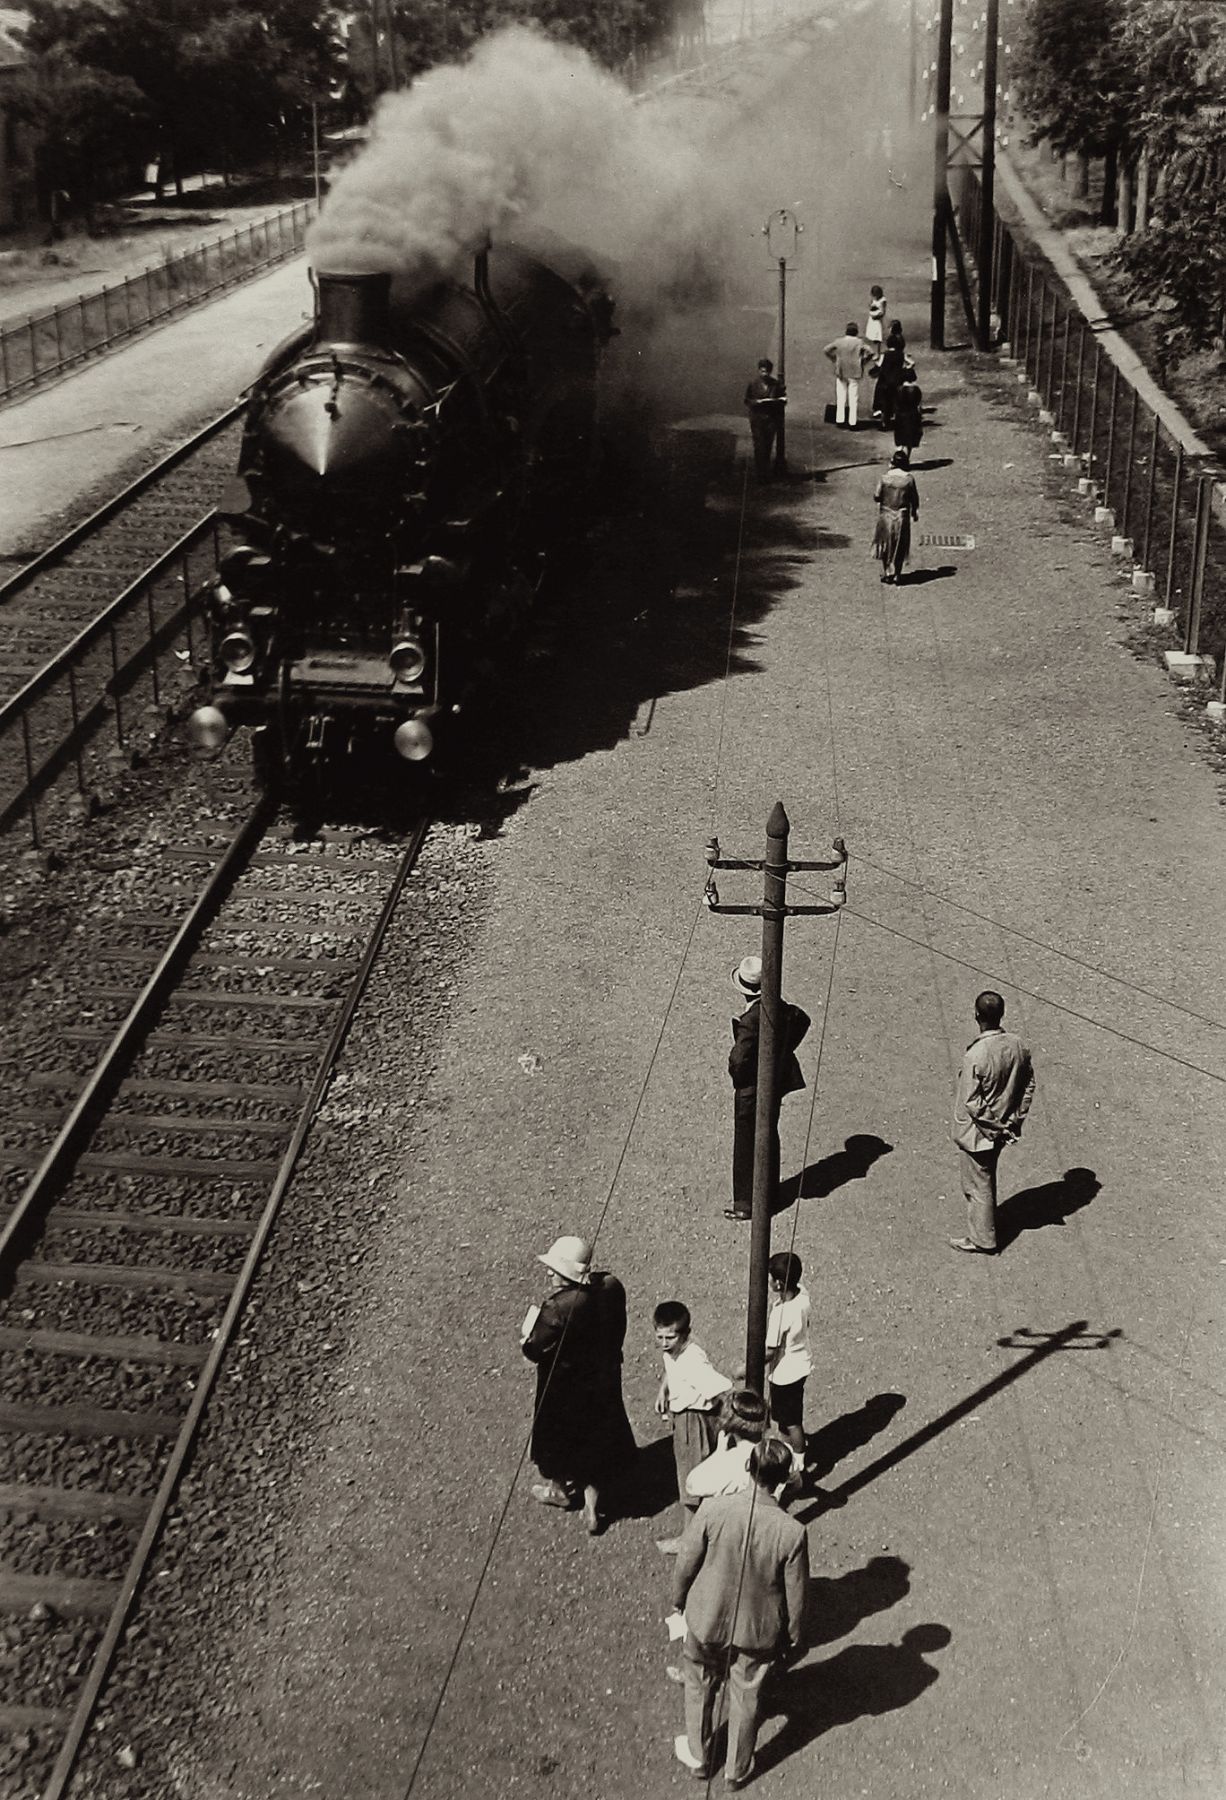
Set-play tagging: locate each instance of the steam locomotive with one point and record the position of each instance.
(404, 465)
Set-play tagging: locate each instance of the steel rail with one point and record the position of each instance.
(56, 552)
(69, 1146)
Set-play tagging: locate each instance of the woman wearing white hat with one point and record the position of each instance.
(580, 1431)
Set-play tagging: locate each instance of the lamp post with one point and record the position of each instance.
(781, 232)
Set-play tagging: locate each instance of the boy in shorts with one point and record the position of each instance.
(788, 1362)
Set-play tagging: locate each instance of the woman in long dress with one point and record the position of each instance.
(908, 417)
(897, 500)
(890, 367)
(581, 1436)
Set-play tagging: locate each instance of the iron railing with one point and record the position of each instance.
(1165, 496)
(46, 344)
(92, 701)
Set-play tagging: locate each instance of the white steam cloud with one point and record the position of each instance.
(527, 134)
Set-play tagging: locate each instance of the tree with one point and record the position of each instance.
(216, 78)
(88, 124)
(1079, 79)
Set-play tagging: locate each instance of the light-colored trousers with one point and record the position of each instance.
(979, 1188)
(846, 400)
(704, 1667)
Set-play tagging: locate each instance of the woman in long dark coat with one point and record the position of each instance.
(908, 416)
(580, 1432)
(890, 367)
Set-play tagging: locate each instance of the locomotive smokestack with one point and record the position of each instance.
(354, 309)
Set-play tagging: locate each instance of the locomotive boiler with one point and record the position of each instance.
(405, 464)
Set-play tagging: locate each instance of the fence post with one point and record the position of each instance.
(1038, 348)
(59, 339)
(4, 361)
(1132, 438)
(1200, 547)
(114, 687)
(1149, 491)
(1174, 531)
(1068, 316)
(76, 720)
(1026, 344)
(31, 805)
(153, 663)
(1111, 432)
(33, 350)
(1098, 357)
(1081, 358)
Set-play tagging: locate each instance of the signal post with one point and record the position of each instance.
(772, 911)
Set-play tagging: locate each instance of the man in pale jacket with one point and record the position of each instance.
(995, 1088)
(850, 355)
(742, 1576)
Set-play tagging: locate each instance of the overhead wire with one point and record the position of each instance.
(504, 1509)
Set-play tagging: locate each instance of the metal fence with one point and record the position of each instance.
(1165, 498)
(47, 344)
(104, 695)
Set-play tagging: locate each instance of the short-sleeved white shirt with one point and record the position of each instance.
(694, 1384)
(788, 1326)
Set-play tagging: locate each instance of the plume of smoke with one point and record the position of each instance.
(526, 134)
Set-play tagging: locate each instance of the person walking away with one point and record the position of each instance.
(995, 1089)
(874, 329)
(849, 354)
(765, 399)
(788, 1363)
(890, 367)
(908, 413)
(897, 500)
(564, 1337)
(743, 1073)
(687, 1396)
(741, 1580)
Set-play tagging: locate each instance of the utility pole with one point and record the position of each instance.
(774, 909)
(781, 232)
(940, 182)
(987, 175)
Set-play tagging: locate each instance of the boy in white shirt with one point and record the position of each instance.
(687, 1395)
(788, 1362)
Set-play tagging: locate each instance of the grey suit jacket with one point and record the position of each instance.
(762, 1610)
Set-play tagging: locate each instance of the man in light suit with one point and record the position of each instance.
(741, 1578)
(995, 1089)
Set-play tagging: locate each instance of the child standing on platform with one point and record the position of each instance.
(874, 330)
(688, 1391)
(788, 1362)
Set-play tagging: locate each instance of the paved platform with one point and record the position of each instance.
(1021, 1592)
(58, 444)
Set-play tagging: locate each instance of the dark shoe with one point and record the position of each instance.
(730, 1212)
(734, 1783)
(969, 1244)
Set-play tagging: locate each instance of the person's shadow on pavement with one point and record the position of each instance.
(831, 1442)
(852, 1163)
(863, 1680)
(1030, 1209)
(836, 1604)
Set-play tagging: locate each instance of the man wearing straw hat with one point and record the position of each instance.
(743, 1071)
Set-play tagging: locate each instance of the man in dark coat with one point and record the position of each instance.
(743, 1071)
(580, 1432)
(764, 402)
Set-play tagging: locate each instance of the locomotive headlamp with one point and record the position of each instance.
(207, 729)
(413, 740)
(237, 651)
(408, 659)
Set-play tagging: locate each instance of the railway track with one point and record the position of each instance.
(143, 1171)
(54, 596)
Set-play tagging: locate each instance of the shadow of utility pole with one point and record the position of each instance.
(1040, 1344)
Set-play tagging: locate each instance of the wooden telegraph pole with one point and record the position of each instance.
(940, 175)
(774, 909)
(987, 176)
